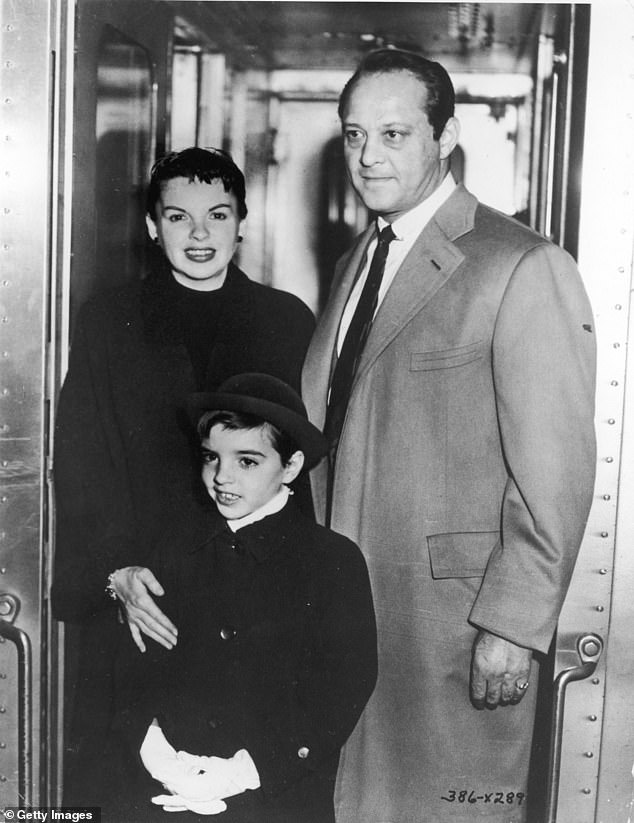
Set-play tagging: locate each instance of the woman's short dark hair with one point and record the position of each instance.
(441, 97)
(204, 165)
(235, 421)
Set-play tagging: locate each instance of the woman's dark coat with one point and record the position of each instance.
(276, 654)
(123, 467)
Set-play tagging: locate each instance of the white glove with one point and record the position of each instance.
(207, 778)
(196, 783)
(176, 803)
(161, 759)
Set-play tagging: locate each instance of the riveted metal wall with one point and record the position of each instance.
(598, 741)
(26, 113)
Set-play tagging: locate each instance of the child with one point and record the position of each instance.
(276, 650)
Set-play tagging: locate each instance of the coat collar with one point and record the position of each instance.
(161, 321)
(431, 262)
(262, 540)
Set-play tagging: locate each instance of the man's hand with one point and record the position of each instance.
(133, 585)
(499, 671)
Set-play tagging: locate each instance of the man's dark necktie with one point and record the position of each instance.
(352, 349)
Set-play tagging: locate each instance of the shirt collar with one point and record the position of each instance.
(274, 505)
(415, 219)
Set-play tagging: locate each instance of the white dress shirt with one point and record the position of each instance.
(407, 229)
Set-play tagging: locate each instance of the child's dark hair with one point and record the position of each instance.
(281, 442)
(204, 165)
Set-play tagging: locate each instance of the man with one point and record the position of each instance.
(460, 416)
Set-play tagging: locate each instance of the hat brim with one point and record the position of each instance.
(307, 437)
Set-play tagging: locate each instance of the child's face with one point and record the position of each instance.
(242, 471)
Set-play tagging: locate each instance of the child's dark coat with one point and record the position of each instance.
(276, 655)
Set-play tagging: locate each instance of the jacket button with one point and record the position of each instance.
(303, 752)
(227, 632)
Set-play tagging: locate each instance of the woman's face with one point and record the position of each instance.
(197, 226)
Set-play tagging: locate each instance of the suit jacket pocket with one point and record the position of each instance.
(446, 358)
(460, 554)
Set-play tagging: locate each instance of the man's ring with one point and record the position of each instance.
(522, 686)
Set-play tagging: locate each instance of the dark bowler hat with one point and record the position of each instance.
(268, 398)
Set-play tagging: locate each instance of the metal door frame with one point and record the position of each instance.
(36, 42)
(598, 741)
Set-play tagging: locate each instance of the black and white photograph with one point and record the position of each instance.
(316, 411)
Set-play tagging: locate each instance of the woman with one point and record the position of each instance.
(123, 465)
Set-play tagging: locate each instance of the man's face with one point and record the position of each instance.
(392, 158)
(197, 227)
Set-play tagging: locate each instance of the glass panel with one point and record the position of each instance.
(124, 153)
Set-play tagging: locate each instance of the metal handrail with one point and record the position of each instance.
(589, 649)
(25, 711)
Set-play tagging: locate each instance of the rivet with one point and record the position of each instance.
(3, 745)
(609, 460)
(595, 681)
(600, 608)
(604, 534)
(614, 382)
(5, 353)
(616, 345)
(587, 790)
(588, 754)
(3, 709)
(618, 307)
(6, 209)
(6, 282)
(3, 570)
(592, 718)
(611, 421)
(3, 676)
(3, 779)
(603, 571)
(3, 499)
(5, 392)
(607, 497)
(5, 319)
(621, 269)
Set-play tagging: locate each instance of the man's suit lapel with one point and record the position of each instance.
(430, 263)
(323, 347)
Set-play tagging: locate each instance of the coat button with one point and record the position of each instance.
(227, 632)
(303, 752)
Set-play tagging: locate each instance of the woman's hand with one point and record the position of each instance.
(133, 586)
